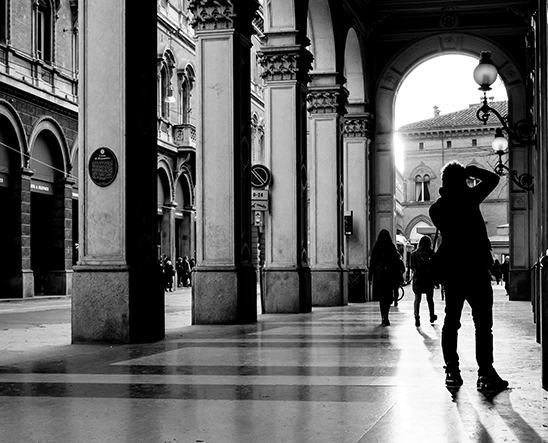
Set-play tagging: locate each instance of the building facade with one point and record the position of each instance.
(427, 146)
(39, 51)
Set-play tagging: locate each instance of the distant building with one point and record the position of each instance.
(430, 144)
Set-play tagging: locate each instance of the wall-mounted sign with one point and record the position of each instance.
(41, 187)
(260, 176)
(103, 167)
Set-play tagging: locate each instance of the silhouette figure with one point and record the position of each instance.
(466, 247)
(496, 271)
(422, 279)
(386, 271)
(505, 269)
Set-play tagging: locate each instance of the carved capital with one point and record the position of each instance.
(358, 125)
(325, 101)
(289, 63)
(223, 14)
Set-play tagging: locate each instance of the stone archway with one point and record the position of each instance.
(388, 84)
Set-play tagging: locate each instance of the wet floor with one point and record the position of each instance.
(332, 376)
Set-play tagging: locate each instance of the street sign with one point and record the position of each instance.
(259, 205)
(257, 194)
(260, 176)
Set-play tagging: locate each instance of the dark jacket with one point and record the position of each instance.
(387, 269)
(458, 217)
(420, 261)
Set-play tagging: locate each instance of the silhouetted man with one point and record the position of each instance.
(466, 260)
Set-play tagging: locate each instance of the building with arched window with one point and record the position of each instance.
(427, 146)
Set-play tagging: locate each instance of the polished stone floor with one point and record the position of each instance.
(332, 376)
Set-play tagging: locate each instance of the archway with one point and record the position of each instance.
(165, 244)
(48, 216)
(384, 170)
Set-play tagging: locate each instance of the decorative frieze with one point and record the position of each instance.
(223, 14)
(327, 101)
(291, 63)
(358, 126)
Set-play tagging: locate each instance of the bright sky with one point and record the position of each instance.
(445, 82)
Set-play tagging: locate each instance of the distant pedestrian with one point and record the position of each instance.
(386, 272)
(186, 271)
(169, 274)
(422, 278)
(496, 270)
(466, 248)
(505, 269)
(179, 271)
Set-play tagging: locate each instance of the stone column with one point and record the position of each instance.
(117, 291)
(326, 105)
(357, 140)
(286, 63)
(223, 287)
(22, 279)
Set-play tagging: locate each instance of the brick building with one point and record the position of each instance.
(430, 144)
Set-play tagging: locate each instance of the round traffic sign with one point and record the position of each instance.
(260, 176)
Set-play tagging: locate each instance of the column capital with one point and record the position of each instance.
(327, 99)
(358, 125)
(282, 63)
(224, 14)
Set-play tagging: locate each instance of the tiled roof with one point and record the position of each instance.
(463, 118)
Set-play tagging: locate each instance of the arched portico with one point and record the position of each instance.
(384, 167)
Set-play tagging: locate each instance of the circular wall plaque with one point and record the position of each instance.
(103, 167)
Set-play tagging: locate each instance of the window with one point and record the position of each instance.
(474, 142)
(422, 188)
(448, 143)
(421, 145)
(4, 21)
(43, 30)
(164, 85)
(186, 82)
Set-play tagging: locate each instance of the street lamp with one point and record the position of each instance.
(523, 131)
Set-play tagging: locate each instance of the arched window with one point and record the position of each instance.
(164, 85)
(186, 82)
(422, 188)
(43, 30)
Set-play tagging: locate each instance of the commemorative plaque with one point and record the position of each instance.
(103, 167)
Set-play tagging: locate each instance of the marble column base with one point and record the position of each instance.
(224, 296)
(329, 287)
(520, 285)
(287, 291)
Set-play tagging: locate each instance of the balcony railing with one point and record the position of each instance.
(184, 136)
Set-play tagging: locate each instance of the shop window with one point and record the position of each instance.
(422, 188)
(43, 30)
(421, 145)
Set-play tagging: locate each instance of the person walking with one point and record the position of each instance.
(169, 274)
(186, 272)
(466, 247)
(386, 272)
(422, 281)
(496, 271)
(505, 269)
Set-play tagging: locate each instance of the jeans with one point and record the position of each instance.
(475, 288)
(429, 299)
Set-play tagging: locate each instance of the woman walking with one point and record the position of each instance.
(386, 271)
(422, 281)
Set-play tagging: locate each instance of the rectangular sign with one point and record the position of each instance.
(259, 205)
(258, 194)
(43, 188)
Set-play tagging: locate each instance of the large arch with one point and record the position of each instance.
(354, 69)
(320, 32)
(387, 86)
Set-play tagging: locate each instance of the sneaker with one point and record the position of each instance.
(453, 379)
(433, 318)
(491, 381)
(417, 321)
